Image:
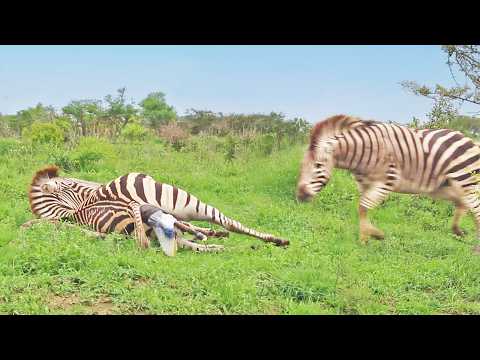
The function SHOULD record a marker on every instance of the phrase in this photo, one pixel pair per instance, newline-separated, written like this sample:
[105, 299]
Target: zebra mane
[335, 126]
[44, 174]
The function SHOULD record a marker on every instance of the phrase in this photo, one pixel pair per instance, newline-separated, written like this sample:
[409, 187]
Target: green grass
[420, 267]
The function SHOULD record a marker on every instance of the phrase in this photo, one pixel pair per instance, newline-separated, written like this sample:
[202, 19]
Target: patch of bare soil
[63, 302]
[102, 306]
[141, 281]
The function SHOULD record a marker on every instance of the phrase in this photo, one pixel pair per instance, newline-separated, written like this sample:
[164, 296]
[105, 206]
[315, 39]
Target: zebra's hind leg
[184, 227]
[472, 202]
[206, 231]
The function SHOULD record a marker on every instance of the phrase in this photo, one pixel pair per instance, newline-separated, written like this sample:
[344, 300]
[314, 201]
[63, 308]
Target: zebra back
[331, 126]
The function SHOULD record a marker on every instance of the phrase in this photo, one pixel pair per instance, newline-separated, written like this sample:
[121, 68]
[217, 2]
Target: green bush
[6, 145]
[64, 124]
[90, 151]
[63, 160]
[134, 132]
[267, 144]
[44, 133]
[231, 148]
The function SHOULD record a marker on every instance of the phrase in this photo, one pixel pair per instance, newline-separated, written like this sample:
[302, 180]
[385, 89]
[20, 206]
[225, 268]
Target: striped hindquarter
[144, 190]
[387, 158]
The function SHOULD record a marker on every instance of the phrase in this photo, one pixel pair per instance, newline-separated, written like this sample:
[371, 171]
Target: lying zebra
[132, 203]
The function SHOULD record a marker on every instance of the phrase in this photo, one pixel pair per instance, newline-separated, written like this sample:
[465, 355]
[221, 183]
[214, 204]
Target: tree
[8, 125]
[118, 111]
[460, 58]
[156, 111]
[201, 120]
[27, 117]
[83, 112]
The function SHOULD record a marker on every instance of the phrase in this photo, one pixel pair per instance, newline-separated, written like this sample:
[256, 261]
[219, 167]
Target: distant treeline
[116, 118]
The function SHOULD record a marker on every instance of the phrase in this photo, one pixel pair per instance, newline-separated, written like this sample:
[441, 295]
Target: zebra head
[56, 197]
[316, 168]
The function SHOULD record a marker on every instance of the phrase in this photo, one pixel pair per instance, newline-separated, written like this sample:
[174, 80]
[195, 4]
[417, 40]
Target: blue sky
[305, 81]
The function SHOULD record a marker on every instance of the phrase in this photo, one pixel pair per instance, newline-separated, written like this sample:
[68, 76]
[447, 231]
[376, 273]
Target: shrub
[134, 132]
[90, 151]
[175, 135]
[6, 145]
[64, 124]
[267, 144]
[44, 133]
[231, 148]
[63, 160]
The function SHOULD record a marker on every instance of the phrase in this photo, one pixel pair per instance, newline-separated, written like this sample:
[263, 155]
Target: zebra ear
[48, 172]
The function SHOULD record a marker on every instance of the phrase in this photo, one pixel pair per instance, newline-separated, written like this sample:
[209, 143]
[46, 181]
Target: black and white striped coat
[124, 204]
[387, 158]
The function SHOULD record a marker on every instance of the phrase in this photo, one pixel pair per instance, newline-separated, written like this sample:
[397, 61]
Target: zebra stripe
[388, 158]
[108, 207]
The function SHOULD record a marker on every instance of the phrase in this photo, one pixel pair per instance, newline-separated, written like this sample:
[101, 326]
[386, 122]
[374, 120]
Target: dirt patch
[101, 306]
[63, 302]
[141, 282]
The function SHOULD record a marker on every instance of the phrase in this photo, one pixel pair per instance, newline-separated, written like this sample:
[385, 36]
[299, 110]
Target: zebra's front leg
[366, 227]
[369, 199]
[199, 247]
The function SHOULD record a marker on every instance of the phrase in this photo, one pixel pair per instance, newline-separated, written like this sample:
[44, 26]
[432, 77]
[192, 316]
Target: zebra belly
[410, 187]
[107, 219]
[441, 188]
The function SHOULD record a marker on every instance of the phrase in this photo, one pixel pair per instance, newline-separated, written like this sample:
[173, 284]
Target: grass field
[420, 267]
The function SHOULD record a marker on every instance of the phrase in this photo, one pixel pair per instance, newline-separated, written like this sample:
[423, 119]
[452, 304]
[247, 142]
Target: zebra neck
[92, 198]
[344, 154]
[339, 157]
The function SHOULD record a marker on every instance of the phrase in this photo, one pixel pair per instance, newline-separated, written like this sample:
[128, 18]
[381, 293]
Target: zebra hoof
[281, 242]
[378, 236]
[221, 234]
[459, 232]
[209, 248]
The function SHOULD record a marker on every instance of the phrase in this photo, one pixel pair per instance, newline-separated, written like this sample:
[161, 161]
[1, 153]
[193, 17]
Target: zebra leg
[366, 227]
[199, 247]
[206, 231]
[140, 235]
[370, 198]
[460, 210]
[471, 201]
[187, 227]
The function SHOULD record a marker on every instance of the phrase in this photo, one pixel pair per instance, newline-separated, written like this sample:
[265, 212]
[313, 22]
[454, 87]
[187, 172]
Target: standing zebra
[133, 202]
[387, 158]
